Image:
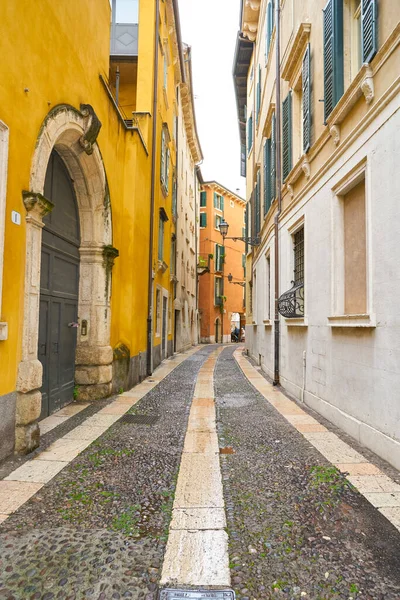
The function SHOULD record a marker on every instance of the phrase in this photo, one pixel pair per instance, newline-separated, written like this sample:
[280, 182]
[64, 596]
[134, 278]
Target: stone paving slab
[392, 514]
[373, 483]
[15, 493]
[199, 483]
[50, 423]
[201, 442]
[380, 499]
[196, 558]
[85, 432]
[364, 468]
[198, 518]
[63, 449]
[333, 448]
[37, 471]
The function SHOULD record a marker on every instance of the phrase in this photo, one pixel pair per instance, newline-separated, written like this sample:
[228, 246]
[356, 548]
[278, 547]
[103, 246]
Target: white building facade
[338, 254]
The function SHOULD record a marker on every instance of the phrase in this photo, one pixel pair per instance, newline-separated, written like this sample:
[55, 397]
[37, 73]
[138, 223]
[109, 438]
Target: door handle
[73, 324]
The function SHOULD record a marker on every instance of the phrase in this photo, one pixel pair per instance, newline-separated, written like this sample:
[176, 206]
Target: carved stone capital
[92, 128]
[305, 167]
[290, 191]
[334, 130]
[36, 204]
[109, 255]
[367, 86]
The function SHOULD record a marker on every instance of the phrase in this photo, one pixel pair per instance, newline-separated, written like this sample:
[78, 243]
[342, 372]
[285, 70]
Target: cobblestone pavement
[98, 529]
[297, 529]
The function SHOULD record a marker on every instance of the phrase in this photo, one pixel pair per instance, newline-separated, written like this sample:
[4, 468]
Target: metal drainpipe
[278, 188]
[149, 356]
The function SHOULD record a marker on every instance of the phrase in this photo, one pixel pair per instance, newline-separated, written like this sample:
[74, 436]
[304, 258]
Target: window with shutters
[369, 30]
[306, 99]
[287, 136]
[158, 311]
[269, 26]
[249, 133]
[218, 220]
[257, 211]
[218, 201]
[219, 257]
[203, 219]
[355, 31]
[333, 55]
[203, 199]
[258, 95]
[218, 291]
[269, 179]
[165, 158]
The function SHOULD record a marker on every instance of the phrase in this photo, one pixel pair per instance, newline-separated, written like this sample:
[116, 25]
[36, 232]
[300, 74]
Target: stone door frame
[73, 134]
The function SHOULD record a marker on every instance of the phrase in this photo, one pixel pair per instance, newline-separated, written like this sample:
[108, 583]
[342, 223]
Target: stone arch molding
[73, 134]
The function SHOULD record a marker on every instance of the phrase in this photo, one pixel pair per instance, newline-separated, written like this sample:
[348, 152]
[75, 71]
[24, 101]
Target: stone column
[29, 379]
[94, 355]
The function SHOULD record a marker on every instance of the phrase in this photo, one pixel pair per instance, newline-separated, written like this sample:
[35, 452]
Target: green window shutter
[369, 42]
[217, 258]
[287, 136]
[203, 219]
[162, 166]
[203, 199]
[272, 161]
[306, 100]
[257, 207]
[222, 203]
[243, 260]
[160, 238]
[215, 200]
[249, 133]
[167, 170]
[333, 55]
[258, 99]
[267, 175]
[268, 28]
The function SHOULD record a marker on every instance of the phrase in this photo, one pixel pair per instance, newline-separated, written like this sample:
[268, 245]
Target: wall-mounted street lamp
[252, 241]
[230, 279]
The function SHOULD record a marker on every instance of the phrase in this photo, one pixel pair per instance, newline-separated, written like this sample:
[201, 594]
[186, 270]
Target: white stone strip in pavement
[381, 491]
[197, 548]
[25, 481]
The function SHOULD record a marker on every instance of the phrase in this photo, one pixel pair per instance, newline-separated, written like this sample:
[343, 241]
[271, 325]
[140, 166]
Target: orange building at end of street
[221, 264]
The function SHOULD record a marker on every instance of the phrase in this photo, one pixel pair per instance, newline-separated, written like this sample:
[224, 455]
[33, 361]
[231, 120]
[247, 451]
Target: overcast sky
[210, 28]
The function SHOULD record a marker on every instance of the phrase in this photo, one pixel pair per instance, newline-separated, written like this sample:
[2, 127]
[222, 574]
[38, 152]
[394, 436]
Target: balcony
[291, 303]
[203, 263]
[124, 29]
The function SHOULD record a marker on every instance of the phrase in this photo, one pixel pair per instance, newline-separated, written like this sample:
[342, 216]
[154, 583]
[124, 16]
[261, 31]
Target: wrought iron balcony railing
[291, 303]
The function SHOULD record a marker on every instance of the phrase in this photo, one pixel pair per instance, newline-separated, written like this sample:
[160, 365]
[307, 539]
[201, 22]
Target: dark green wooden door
[59, 286]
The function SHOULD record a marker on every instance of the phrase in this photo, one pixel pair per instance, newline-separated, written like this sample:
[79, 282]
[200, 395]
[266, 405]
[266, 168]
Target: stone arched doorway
[72, 135]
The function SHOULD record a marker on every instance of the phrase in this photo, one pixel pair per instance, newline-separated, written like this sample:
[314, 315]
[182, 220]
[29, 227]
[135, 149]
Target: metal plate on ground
[140, 419]
[169, 594]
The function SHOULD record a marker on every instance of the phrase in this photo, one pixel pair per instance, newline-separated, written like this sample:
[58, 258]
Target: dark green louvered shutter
[333, 55]
[215, 200]
[203, 199]
[267, 175]
[221, 203]
[369, 42]
[258, 98]
[268, 28]
[249, 133]
[203, 219]
[287, 136]
[306, 100]
[273, 161]
[258, 208]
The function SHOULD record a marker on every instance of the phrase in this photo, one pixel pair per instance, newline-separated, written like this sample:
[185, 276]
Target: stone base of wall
[170, 347]
[156, 356]
[7, 424]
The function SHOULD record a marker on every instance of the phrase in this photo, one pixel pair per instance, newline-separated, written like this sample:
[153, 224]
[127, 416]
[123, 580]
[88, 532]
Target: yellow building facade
[86, 180]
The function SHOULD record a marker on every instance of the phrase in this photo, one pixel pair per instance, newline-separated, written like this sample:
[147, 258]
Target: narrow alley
[261, 492]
